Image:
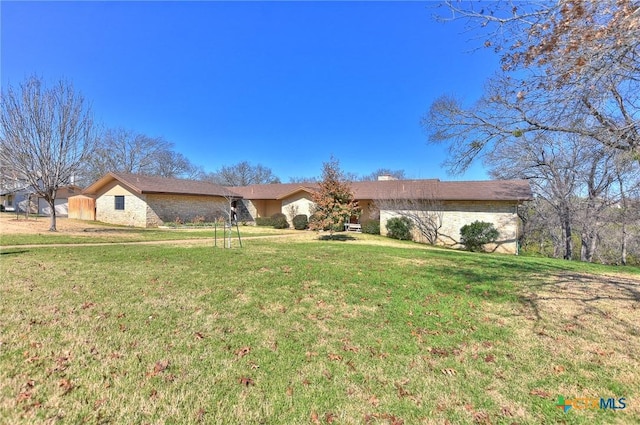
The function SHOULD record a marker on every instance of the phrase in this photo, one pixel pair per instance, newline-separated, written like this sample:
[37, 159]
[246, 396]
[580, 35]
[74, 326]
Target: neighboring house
[61, 202]
[151, 201]
[19, 196]
[14, 199]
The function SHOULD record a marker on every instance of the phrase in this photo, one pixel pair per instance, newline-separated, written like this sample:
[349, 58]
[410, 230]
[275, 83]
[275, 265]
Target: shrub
[264, 221]
[197, 219]
[478, 233]
[280, 221]
[300, 222]
[371, 227]
[399, 228]
[315, 217]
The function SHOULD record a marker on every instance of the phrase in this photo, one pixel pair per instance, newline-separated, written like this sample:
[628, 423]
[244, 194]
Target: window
[119, 202]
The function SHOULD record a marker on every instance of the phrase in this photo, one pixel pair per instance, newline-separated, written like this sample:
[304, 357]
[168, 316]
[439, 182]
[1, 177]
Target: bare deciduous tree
[46, 135]
[243, 174]
[394, 174]
[578, 72]
[121, 150]
[422, 209]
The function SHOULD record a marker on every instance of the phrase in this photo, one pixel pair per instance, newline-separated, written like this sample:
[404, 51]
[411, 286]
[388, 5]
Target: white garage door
[62, 207]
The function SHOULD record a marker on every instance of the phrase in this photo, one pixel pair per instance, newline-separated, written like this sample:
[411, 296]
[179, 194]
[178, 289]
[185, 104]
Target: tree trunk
[52, 221]
[587, 246]
[623, 248]
[568, 242]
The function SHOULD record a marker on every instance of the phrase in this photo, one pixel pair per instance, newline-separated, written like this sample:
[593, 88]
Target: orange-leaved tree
[334, 203]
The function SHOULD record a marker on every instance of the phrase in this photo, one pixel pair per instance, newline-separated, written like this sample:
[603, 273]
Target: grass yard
[302, 331]
[77, 232]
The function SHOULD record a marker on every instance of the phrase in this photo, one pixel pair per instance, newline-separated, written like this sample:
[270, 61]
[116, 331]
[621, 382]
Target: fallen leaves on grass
[330, 417]
[373, 400]
[481, 417]
[246, 381]
[66, 385]
[159, 367]
[393, 420]
[539, 392]
[24, 396]
[439, 352]
[315, 419]
[241, 352]
[402, 392]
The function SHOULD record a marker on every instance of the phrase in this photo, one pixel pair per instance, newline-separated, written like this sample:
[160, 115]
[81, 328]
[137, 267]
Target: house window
[119, 202]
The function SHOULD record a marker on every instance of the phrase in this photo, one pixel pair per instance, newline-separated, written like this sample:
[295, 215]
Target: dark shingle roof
[489, 190]
[153, 184]
[497, 190]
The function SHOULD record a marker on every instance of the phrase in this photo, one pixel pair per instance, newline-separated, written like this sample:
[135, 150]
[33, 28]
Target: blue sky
[282, 84]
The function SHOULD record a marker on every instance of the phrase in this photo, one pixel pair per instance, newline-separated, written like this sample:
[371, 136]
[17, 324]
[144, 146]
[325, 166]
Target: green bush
[478, 233]
[371, 227]
[399, 228]
[264, 221]
[300, 222]
[280, 221]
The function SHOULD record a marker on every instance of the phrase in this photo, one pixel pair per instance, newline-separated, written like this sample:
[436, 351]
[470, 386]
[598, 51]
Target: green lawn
[302, 331]
[115, 234]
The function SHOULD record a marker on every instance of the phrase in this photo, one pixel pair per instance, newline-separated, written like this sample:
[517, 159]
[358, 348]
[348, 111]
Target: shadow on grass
[585, 292]
[13, 252]
[340, 238]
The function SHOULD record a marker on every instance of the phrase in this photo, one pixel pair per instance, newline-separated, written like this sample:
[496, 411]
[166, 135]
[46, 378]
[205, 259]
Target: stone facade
[454, 215]
[185, 208]
[153, 210]
[135, 207]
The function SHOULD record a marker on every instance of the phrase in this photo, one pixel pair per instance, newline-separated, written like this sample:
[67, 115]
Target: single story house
[147, 201]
